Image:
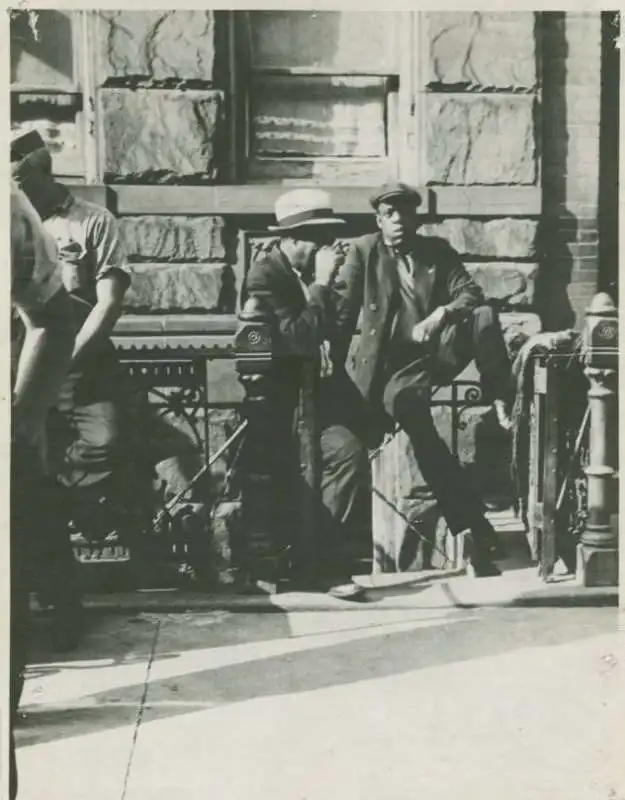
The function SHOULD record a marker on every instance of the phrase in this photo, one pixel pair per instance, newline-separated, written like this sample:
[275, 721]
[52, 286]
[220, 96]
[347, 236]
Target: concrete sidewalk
[503, 688]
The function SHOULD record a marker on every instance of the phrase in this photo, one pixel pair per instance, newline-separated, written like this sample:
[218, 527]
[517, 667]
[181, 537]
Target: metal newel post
[256, 552]
[598, 552]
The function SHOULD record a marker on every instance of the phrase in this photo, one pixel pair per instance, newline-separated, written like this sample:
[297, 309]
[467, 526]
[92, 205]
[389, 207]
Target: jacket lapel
[386, 277]
[427, 277]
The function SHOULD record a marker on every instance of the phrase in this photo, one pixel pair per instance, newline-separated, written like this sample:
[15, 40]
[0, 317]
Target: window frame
[78, 97]
[249, 169]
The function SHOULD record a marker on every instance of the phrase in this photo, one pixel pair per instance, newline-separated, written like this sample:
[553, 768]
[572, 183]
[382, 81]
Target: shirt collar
[406, 250]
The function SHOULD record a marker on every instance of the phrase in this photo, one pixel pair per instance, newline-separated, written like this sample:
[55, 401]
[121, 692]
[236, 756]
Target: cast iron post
[598, 550]
[256, 551]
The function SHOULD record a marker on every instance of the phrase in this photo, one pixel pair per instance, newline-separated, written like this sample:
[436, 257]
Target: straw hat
[304, 208]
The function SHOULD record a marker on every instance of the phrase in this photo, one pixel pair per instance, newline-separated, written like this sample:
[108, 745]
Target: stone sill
[259, 199]
[214, 333]
[193, 333]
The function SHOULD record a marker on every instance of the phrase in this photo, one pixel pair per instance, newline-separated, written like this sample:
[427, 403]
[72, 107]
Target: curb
[410, 592]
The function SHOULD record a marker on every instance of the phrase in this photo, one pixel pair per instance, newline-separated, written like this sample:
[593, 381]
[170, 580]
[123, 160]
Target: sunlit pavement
[435, 689]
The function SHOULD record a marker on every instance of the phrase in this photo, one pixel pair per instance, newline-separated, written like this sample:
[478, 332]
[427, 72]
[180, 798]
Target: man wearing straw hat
[294, 278]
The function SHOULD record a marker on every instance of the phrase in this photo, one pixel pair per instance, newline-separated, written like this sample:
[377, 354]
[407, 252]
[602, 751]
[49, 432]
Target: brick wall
[569, 247]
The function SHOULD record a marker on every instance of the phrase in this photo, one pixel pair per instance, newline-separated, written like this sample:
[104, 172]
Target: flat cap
[395, 189]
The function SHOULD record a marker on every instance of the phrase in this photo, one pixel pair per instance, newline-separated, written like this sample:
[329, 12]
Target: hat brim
[309, 223]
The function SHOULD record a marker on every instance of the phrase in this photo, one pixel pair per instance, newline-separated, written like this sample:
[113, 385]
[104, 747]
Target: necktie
[416, 278]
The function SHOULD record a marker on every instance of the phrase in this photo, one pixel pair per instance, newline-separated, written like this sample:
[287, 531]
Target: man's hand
[326, 367]
[327, 262]
[425, 330]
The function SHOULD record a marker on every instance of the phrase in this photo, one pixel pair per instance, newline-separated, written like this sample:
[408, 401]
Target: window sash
[328, 117]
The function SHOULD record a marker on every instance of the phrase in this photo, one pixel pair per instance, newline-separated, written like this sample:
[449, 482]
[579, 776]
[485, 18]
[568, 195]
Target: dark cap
[395, 190]
[23, 144]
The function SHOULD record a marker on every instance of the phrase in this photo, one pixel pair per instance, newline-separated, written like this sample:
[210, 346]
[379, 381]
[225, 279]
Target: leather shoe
[483, 548]
[347, 591]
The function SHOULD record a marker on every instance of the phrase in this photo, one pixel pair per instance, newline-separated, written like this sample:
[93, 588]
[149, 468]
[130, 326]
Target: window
[322, 102]
[45, 83]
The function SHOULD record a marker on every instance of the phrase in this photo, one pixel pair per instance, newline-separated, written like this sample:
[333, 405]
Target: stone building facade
[188, 124]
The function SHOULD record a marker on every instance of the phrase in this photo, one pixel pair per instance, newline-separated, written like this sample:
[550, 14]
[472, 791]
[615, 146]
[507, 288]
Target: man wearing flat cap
[293, 278]
[423, 320]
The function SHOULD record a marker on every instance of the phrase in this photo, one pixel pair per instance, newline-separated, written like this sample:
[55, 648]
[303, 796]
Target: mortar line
[140, 712]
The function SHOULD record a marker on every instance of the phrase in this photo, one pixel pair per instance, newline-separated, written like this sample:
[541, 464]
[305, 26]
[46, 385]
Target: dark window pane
[318, 117]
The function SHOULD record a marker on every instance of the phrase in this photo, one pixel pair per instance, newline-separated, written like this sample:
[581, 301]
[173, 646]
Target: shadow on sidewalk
[245, 669]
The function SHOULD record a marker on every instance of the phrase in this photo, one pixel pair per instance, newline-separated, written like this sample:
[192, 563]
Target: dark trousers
[101, 425]
[344, 472]
[414, 370]
[343, 485]
[337, 502]
[27, 482]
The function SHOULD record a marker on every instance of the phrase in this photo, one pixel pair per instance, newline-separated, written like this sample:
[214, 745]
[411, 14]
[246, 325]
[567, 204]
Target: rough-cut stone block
[498, 238]
[154, 238]
[482, 48]
[160, 134]
[481, 139]
[156, 45]
[510, 284]
[176, 287]
[63, 140]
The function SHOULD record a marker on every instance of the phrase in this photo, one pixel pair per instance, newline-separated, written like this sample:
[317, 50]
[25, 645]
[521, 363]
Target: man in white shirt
[99, 429]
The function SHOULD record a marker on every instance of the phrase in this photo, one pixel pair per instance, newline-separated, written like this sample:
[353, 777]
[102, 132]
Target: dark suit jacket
[300, 327]
[301, 324]
[367, 282]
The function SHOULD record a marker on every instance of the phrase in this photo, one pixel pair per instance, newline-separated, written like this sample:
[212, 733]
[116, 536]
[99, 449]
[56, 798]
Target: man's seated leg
[493, 363]
[84, 443]
[479, 338]
[407, 400]
[94, 449]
